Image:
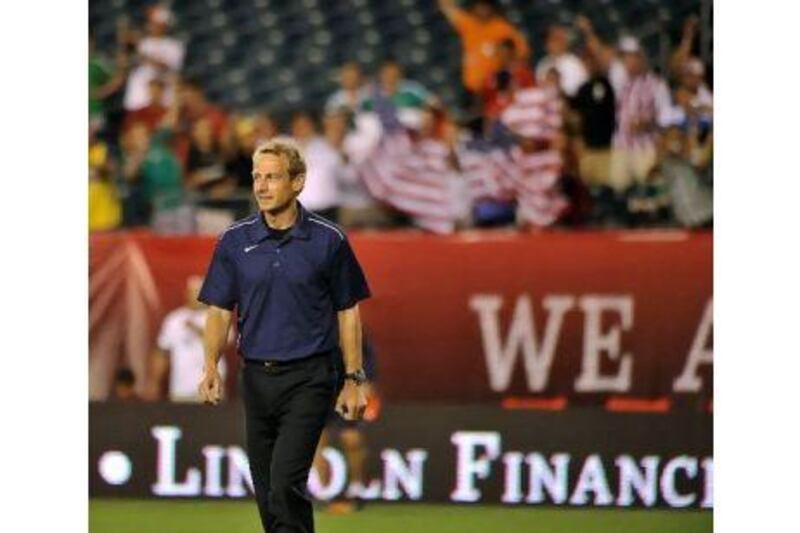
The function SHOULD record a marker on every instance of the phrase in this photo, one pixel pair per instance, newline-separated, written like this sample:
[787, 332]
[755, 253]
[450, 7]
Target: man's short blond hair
[286, 148]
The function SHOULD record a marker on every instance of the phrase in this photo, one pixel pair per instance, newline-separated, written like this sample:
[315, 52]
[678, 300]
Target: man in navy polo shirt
[295, 284]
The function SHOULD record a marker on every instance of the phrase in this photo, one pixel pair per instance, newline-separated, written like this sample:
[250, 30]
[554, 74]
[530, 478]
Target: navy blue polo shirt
[286, 291]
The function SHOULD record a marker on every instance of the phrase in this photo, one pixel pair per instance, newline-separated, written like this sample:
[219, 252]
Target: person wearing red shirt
[512, 73]
[153, 113]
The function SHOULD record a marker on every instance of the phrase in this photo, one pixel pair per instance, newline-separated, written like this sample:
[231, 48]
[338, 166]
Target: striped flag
[412, 174]
[415, 177]
[533, 166]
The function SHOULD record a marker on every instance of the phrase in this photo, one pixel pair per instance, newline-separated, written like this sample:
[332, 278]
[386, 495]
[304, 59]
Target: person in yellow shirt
[481, 29]
[105, 210]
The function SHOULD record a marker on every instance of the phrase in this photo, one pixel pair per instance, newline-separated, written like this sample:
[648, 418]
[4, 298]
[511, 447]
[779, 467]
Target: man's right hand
[211, 387]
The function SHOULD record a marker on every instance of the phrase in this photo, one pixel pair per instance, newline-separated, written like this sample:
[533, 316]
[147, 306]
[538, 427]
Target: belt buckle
[270, 366]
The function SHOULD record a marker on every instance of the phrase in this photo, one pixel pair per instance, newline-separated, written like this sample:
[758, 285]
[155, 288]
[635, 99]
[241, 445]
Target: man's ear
[298, 182]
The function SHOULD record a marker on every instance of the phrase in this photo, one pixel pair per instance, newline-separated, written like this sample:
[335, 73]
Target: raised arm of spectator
[455, 15]
[684, 50]
[603, 53]
[118, 78]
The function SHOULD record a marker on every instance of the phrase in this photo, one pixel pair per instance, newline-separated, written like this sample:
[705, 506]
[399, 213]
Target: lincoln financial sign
[458, 454]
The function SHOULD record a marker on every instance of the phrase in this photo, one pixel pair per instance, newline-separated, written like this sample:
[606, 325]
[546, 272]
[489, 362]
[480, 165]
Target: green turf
[128, 516]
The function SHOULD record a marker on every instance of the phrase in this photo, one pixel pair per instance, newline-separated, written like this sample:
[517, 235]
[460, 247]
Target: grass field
[129, 516]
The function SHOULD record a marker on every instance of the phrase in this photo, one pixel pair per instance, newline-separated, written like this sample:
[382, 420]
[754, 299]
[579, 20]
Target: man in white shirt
[352, 91]
[571, 70]
[321, 192]
[644, 105]
[158, 56]
[179, 350]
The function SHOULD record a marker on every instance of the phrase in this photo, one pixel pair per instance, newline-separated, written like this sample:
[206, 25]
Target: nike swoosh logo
[250, 248]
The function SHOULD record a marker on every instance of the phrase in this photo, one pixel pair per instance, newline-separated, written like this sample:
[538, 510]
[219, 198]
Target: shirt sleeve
[348, 284]
[462, 21]
[164, 341]
[219, 286]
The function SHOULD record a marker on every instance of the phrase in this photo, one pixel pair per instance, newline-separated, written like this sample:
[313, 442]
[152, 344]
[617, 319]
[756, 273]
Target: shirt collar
[300, 230]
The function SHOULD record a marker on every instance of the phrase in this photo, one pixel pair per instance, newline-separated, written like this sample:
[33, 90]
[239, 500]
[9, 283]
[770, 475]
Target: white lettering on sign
[644, 481]
[550, 477]
[166, 483]
[592, 479]
[213, 485]
[470, 466]
[337, 478]
[596, 342]
[501, 357]
[668, 490]
[398, 472]
[699, 354]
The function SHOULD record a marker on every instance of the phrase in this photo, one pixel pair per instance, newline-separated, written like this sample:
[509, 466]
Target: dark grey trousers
[285, 410]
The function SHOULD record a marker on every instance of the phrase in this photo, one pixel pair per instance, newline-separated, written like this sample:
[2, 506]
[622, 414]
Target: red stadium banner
[541, 320]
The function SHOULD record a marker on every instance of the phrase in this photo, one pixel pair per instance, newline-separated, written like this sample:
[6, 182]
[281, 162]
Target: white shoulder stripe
[239, 224]
[329, 226]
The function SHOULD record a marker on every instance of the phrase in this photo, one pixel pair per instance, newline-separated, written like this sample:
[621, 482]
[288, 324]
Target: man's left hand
[352, 401]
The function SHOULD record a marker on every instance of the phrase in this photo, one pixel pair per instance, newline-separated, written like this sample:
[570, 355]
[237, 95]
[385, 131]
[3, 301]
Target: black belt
[274, 363]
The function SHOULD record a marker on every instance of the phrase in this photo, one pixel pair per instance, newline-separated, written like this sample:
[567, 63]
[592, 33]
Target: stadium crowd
[589, 135]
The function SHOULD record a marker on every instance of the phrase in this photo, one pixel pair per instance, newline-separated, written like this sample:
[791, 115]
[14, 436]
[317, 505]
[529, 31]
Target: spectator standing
[192, 107]
[104, 81]
[151, 172]
[179, 350]
[157, 55]
[105, 209]
[594, 105]
[357, 207]
[320, 194]
[693, 99]
[512, 73]
[481, 29]
[691, 197]
[351, 92]
[571, 71]
[408, 97]
[205, 164]
[154, 112]
[643, 104]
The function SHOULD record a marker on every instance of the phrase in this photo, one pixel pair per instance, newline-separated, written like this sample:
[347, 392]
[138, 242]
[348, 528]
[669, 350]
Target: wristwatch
[358, 376]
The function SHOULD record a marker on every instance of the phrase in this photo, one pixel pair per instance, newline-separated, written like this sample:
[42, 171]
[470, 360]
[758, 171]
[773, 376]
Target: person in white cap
[643, 105]
[157, 55]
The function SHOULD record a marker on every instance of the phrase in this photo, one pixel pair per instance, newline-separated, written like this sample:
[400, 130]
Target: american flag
[503, 167]
[412, 174]
[415, 175]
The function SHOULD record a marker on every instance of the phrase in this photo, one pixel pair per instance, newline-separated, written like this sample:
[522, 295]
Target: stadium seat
[249, 52]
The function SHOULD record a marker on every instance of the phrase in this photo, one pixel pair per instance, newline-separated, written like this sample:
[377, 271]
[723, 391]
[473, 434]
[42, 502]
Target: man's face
[634, 62]
[137, 138]
[483, 10]
[302, 127]
[557, 41]
[334, 126]
[390, 77]
[691, 81]
[272, 186]
[191, 97]
[505, 55]
[351, 77]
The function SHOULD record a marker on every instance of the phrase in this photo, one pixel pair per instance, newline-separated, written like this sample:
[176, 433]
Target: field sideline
[135, 516]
